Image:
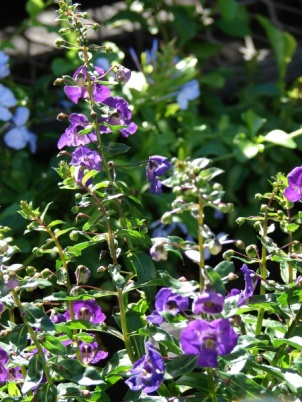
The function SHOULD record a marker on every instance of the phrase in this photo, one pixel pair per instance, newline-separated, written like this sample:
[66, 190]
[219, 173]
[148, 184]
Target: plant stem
[211, 385]
[201, 245]
[263, 267]
[32, 333]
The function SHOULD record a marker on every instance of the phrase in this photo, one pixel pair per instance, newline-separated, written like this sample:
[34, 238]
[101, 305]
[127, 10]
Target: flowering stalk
[33, 335]
[263, 267]
[201, 245]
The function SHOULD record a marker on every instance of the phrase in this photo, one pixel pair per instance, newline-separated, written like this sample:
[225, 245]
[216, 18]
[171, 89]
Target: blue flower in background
[7, 100]
[19, 136]
[189, 91]
[4, 68]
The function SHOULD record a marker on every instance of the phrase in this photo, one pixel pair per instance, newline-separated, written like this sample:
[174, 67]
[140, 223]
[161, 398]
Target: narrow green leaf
[34, 372]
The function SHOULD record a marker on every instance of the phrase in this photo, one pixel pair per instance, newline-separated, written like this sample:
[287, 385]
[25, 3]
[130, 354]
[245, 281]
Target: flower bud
[214, 247]
[58, 81]
[232, 276]
[258, 226]
[59, 42]
[74, 235]
[46, 273]
[166, 218]
[240, 244]
[11, 281]
[227, 255]
[82, 274]
[258, 196]
[30, 271]
[251, 251]
[95, 26]
[240, 221]
[3, 247]
[296, 246]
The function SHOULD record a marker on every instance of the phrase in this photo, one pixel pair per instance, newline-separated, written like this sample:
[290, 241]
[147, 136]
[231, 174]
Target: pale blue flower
[4, 68]
[189, 91]
[7, 100]
[19, 136]
[103, 63]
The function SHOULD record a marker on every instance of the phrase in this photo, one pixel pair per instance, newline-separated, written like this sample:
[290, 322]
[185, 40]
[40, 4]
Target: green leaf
[295, 342]
[112, 148]
[253, 122]
[33, 284]
[34, 7]
[224, 268]
[179, 366]
[127, 15]
[281, 138]
[290, 296]
[215, 279]
[73, 371]
[228, 9]
[245, 149]
[37, 318]
[34, 372]
[145, 270]
[52, 344]
[18, 337]
[47, 392]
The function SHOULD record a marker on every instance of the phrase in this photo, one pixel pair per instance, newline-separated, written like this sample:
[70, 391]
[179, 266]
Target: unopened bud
[227, 255]
[240, 221]
[95, 26]
[62, 116]
[258, 196]
[166, 218]
[251, 251]
[82, 274]
[58, 81]
[101, 269]
[232, 276]
[258, 226]
[30, 271]
[59, 42]
[74, 235]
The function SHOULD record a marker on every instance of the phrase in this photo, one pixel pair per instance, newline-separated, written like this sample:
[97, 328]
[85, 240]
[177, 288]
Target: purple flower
[167, 300]
[4, 69]
[208, 302]
[82, 274]
[157, 166]
[123, 74]
[207, 340]
[74, 93]
[120, 115]
[71, 138]
[19, 136]
[91, 352]
[294, 191]
[56, 317]
[6, 373]
[158, 252]
[86, 310]
[250, 285]
[147, 373]
[85, 158]
[7, 100]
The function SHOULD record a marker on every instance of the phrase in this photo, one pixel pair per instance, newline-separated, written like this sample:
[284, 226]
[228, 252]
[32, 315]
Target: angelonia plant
[195, 337]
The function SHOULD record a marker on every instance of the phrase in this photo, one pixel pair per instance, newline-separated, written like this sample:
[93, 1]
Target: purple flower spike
[119, 116]
[147, 373]
[157, 166]
[250, 285]
[74, 93]
[208, 302]
[294, 191]
[167, 300]
[71, 138]
[91, 352]
[207, 340]
[86, 310]
[85, 158]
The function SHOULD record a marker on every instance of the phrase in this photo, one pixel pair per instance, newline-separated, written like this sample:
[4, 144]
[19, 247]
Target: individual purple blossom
[157, 166]
[100, 92]
[6, 373]
[189, 91]
[250, 285]
[120, 115]
[19, 136]
[208, 302]
[11, 281]
[71, 138]
[123, 74]
[91, 352]
[167, 300]
[85, 158]
[4, 68]
[208, 340]
[158, 252]
[7, 100]
[87, 310]
[147, 373]
[294, 190]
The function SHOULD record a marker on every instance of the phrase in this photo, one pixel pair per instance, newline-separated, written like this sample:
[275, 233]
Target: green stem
[211, 385]
[201, 245]
[263, 267]
[32, 334]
